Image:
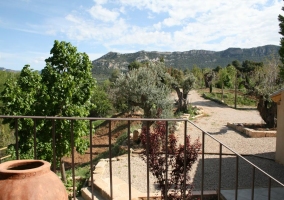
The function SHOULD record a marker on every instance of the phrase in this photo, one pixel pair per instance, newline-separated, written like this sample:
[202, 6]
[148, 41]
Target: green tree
[64, 88]
[6, 134]
[281, 50]
[19, 97]
[144, 87]
[102, 103]
[269, 82]
[114, 75]
[134, 65]
[182, 84]
[223, 76]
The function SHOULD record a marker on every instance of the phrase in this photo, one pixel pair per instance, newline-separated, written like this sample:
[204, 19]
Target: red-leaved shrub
[174, 159]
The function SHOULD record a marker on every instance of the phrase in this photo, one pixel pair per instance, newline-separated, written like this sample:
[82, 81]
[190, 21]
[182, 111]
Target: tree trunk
[267, 111]
[62, 170]
[180, 97]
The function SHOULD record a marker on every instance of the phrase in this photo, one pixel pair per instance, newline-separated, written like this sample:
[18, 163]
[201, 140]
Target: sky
[28, 28]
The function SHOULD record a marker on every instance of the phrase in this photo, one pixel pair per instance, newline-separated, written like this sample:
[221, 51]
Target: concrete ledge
[251, 132]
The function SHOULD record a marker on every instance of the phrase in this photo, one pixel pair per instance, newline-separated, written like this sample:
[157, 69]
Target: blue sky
[28, 28]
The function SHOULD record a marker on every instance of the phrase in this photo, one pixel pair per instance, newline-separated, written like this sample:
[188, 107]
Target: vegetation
[5, 132]
[281, 50]
[182, 84]
[180, 160]
[64, 88]
[183, 60]
[144, 87]
[228, 97]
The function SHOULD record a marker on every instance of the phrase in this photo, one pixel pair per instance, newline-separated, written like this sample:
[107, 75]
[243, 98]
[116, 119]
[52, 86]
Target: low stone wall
[251, 132]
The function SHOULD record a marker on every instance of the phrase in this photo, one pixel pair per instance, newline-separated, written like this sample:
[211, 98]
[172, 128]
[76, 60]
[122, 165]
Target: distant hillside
[183, 60]
[7, 70]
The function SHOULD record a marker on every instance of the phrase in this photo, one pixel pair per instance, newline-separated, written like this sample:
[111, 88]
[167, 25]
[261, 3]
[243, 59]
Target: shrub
[180, 160]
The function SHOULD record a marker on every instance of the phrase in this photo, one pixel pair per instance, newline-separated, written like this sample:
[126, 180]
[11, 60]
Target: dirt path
[215, 120]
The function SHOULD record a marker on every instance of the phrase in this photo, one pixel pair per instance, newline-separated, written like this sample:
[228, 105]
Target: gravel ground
[261, 151]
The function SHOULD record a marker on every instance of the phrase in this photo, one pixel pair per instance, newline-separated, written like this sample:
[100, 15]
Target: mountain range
[185, 59]
[103, 66]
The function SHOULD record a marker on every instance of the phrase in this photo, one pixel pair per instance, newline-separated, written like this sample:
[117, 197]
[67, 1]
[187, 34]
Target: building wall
[279, 156]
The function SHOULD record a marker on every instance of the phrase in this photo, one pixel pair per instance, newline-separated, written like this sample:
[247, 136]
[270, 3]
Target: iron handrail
[239, 155]
[186, 121]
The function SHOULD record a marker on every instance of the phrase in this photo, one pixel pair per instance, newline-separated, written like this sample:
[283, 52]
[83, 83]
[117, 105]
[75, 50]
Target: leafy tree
[6, 134]
[102, 103]
[231, 72]
[223, 76]
[19, 97]
[217, 69]
[134, 65]
[144, 87]
[114, 75]
[269, 82]
[209, 78]
[64, 88]
[198, 74]
[182, 84]
[281, 50]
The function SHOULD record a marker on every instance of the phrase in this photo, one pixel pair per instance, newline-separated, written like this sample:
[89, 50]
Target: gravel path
[262, 151]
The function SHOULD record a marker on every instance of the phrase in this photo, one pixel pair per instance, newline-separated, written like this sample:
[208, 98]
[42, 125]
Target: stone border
[251, 132]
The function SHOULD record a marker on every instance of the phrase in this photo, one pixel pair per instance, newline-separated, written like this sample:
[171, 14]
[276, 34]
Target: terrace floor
[259, 194]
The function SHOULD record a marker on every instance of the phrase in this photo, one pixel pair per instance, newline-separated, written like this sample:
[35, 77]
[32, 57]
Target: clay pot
[30, 180]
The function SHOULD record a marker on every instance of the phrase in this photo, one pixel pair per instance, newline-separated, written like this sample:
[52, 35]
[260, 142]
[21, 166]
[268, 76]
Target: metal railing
[3, 157]
[129, 120]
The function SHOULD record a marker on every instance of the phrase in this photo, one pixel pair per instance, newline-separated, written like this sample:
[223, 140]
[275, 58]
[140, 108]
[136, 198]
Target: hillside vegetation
[183, 60]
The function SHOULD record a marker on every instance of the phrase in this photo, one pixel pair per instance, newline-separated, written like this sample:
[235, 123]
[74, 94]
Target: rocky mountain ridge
[185, 59]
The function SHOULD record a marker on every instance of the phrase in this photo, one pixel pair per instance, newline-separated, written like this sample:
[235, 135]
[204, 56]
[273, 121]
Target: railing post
[91, 159]
[129, 163]
[73, 160]
[147, 153]
[269, 188]
[237, 177]
[166, 183]
[17, 139]
[53, 146]
[220, 171]
[184, 165]
[110, 163]
[35, 156]
[202, 169]
[252, 187]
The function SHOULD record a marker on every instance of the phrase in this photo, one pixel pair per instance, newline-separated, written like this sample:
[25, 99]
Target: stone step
[86, 194]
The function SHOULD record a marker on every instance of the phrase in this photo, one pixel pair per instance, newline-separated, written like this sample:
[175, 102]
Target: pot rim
[5, 167]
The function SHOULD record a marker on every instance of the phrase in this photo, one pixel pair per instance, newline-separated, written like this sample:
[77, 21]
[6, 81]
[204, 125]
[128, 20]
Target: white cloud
[103, 14]
[100, 2]
[212, 25]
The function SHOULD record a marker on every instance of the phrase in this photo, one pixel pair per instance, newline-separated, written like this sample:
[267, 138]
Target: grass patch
[229, 98]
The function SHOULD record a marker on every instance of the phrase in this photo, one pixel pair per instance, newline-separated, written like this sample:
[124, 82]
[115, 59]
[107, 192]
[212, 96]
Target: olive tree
[182, 83]
[145, 87]
[269, 82]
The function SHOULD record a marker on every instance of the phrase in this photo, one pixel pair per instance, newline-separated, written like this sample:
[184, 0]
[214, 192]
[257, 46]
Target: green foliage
[144, 87]
[64, 88]
[114, 75]
[281, 50]
[198, 74]
[134, 65]
[102, 104]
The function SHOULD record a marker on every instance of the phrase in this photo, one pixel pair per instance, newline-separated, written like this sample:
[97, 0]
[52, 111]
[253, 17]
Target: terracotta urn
[30, 180]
